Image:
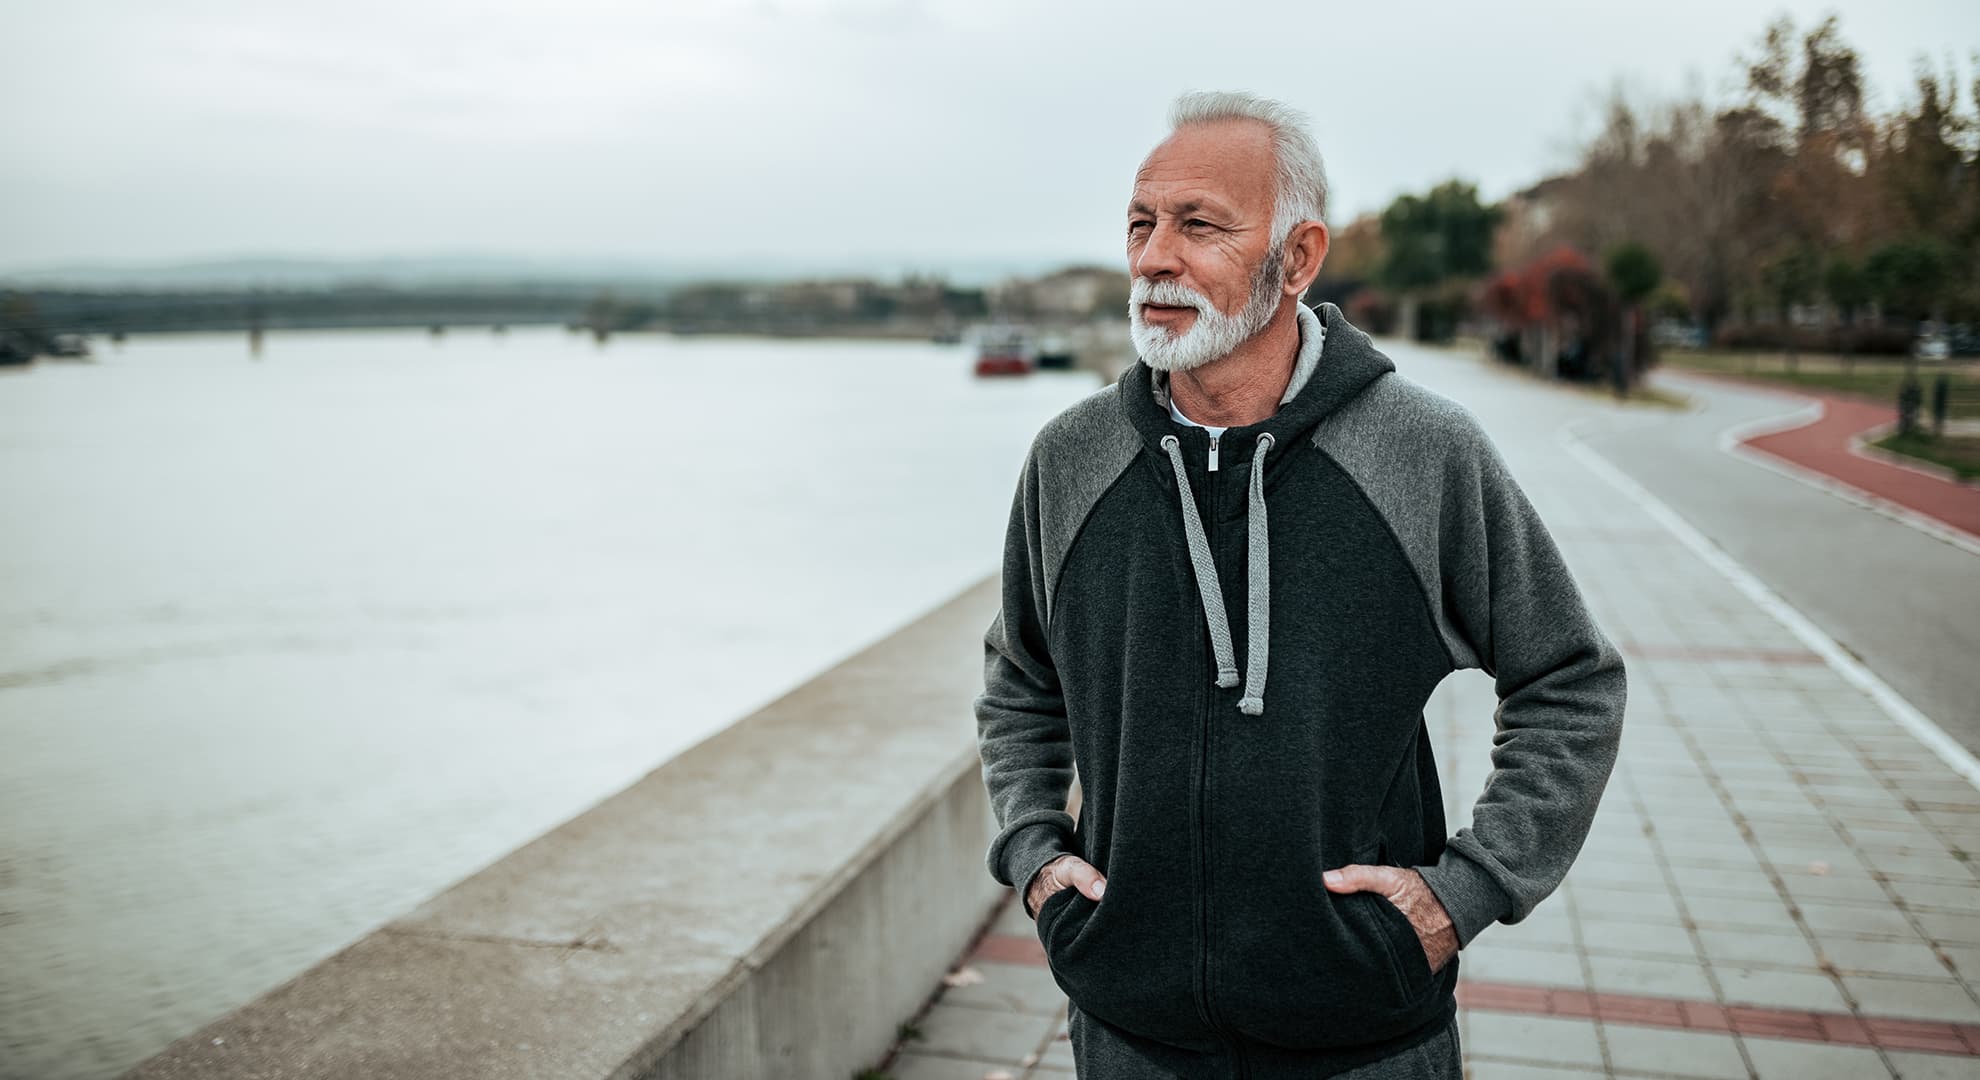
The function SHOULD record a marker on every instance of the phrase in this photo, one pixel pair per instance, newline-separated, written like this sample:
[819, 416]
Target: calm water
[288, 645]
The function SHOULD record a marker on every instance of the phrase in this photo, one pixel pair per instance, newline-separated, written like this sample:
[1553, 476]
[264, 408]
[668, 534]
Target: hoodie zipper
[1209, 516]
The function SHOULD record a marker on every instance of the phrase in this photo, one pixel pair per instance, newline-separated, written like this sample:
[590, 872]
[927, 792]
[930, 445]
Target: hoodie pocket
[1317, 969]
[1128, 960]
[1412, 962]
[1410, 974]
[1049, 910]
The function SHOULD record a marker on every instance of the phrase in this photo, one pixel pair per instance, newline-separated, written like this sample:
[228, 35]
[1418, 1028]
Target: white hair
[1301, 183]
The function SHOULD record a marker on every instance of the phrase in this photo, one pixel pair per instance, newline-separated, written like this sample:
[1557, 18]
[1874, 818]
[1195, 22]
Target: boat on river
[1005, 350]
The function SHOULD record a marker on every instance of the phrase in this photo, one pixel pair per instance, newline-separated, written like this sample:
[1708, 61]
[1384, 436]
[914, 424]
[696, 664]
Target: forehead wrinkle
[1191, 191]
[1179, 174]
[1188, 164]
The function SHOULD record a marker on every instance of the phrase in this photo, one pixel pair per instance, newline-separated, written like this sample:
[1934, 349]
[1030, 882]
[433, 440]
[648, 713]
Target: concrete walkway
[1780, 882]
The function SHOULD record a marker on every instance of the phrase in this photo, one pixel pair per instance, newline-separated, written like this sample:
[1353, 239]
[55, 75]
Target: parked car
[1675, 333]
[1964, 338]
[1931, 347]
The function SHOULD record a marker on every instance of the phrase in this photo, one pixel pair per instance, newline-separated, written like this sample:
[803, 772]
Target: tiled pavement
[1780, 882]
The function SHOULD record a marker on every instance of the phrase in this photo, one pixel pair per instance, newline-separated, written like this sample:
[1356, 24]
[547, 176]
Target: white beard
[1212, 334]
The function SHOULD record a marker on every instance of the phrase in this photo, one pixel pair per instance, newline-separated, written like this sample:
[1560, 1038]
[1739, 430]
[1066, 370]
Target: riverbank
[763, 905]
[302, 641]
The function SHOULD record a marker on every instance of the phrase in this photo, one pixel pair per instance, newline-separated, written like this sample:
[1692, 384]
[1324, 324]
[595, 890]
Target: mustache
[1167, 293]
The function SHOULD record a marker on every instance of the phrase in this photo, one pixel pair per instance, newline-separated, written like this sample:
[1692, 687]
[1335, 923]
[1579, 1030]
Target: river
[289, 643]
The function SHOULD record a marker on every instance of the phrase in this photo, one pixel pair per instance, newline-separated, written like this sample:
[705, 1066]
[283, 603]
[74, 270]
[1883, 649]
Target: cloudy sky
[919, 131]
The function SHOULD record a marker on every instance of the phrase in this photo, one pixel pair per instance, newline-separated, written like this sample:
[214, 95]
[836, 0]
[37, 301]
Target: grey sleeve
[1022, 733]
[1561, 690]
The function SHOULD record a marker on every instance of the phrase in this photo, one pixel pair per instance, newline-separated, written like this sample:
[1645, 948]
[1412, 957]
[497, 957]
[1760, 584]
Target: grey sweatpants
[1098, 1056]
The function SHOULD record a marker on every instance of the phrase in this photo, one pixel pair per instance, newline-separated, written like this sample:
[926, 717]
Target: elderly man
[1231, 581]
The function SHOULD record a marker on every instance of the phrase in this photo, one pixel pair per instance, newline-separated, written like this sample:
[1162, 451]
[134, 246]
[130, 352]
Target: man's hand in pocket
[1406, 889]
[1064, 871]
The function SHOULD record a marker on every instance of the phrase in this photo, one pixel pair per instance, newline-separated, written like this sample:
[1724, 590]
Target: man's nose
[1158, 255]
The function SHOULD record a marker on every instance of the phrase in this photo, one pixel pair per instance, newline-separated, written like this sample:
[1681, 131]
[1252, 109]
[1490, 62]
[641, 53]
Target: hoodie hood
[1335, 363]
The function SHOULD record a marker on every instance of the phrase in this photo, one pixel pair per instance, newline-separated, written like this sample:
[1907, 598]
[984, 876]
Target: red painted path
[1823, 446]
[1849, 1029]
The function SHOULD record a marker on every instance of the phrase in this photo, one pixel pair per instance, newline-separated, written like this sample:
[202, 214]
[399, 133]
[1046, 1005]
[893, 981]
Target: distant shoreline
[867, 332]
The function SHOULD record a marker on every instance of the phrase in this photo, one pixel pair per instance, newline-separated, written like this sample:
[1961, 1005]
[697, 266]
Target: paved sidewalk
[1780, 882]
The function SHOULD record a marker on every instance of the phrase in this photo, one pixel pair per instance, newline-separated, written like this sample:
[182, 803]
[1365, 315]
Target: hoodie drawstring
[1258, 583]
[1259, 614]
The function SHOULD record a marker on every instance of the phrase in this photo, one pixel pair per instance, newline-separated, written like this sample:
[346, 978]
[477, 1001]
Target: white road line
[1852, 670]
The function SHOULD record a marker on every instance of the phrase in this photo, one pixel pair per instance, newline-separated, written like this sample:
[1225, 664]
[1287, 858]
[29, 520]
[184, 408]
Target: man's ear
[1306, 250]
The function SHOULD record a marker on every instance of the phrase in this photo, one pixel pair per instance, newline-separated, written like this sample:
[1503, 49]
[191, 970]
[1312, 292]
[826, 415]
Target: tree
[1634, 271]
[1791, 281]
[1928, 168]
[1355, 251]
[1848, 288]
[1694, 186]
[1908, 277]
[1818, 92]
[1434, 239]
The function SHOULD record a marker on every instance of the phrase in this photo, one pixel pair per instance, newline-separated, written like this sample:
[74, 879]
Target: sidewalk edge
[1861, 444]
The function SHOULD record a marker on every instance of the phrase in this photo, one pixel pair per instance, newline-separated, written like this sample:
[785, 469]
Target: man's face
[1199, 242]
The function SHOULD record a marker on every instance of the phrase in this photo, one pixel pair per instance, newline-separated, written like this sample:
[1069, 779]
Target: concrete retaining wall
[770, 904]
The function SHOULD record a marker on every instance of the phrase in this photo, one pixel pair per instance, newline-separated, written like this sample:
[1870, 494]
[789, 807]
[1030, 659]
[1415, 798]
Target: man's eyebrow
[1182, 209]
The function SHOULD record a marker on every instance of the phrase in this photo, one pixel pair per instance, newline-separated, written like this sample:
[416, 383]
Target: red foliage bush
[1534, 293]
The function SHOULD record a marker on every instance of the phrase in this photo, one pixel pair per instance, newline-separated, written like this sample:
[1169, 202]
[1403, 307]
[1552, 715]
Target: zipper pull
[1213, 453]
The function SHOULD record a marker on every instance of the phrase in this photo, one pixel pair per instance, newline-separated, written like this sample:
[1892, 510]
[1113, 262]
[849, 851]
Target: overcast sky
[787, 129]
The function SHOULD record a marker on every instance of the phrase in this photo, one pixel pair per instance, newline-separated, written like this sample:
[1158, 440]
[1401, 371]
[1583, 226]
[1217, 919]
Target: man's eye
[1194, 222]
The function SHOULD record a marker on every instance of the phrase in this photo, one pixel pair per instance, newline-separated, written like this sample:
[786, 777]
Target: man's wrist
[1466, 892]
[1028, 848]
[1031, 886]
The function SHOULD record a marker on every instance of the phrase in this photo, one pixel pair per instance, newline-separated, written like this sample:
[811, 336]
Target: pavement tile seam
[1660, 857]
[1949, 851]
[983, 1007]
[1768, 1021]
[919, 1047]
[1891, 890]
[1886, 899]
[1642, 1010]
[1882, 1032]
[1566, 1002]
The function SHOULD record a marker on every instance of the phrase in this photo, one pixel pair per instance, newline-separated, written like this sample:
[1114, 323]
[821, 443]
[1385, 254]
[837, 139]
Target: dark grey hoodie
[1237, 661]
